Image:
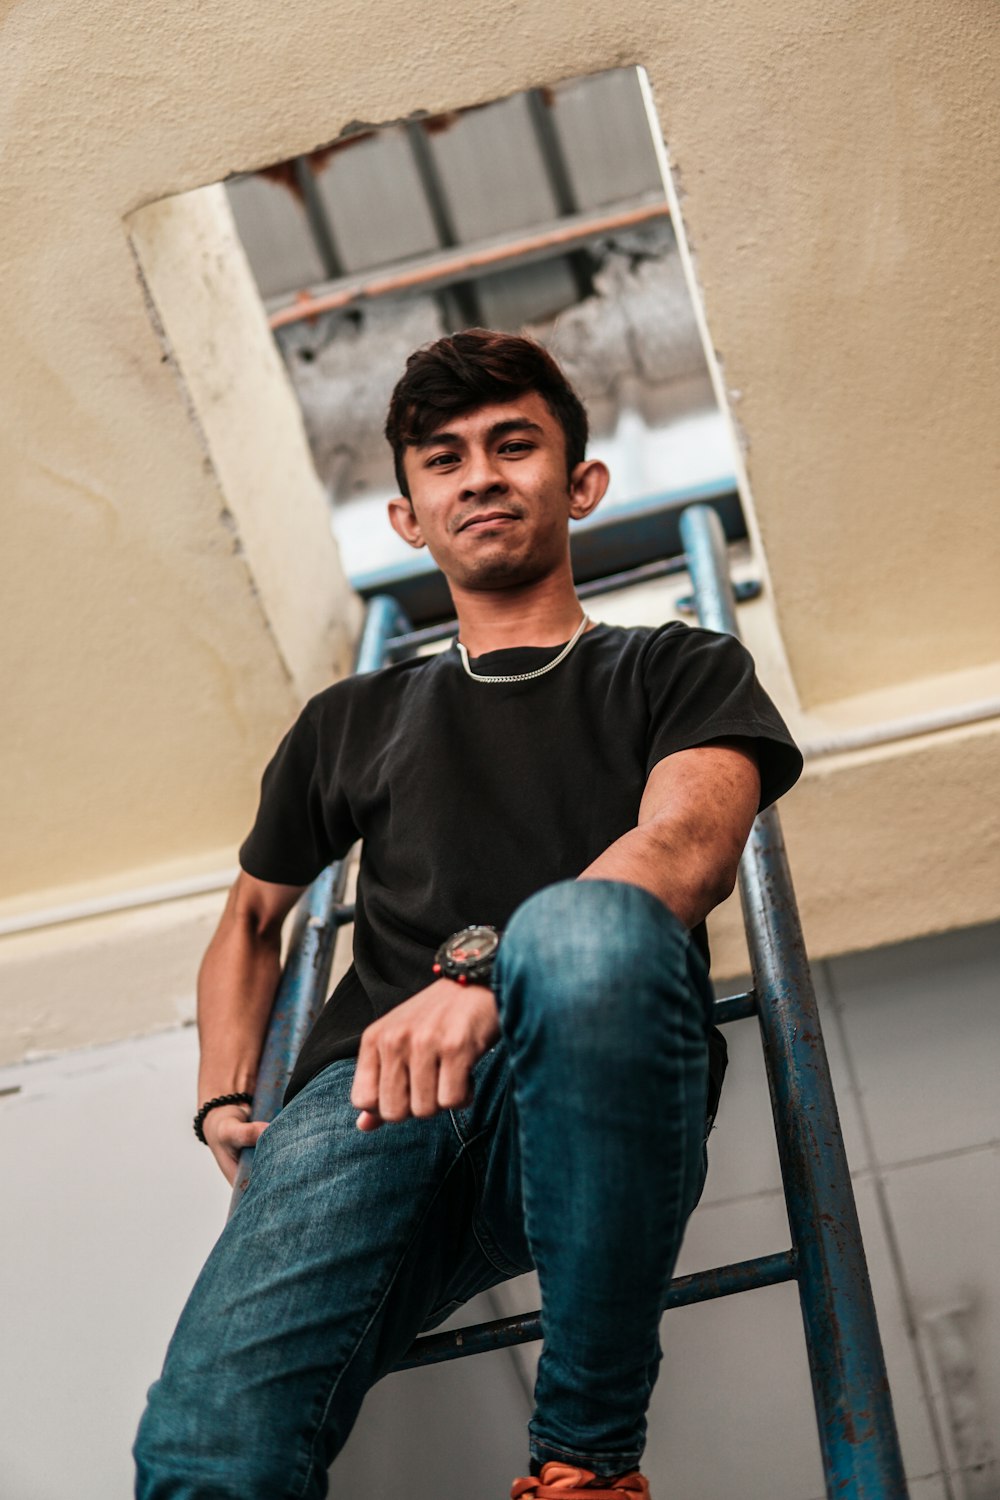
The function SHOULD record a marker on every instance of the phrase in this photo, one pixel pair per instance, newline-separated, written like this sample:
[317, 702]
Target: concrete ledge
[102, 979]
[885, 844]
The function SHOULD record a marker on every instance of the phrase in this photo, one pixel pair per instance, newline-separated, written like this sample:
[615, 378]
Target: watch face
[472, 944]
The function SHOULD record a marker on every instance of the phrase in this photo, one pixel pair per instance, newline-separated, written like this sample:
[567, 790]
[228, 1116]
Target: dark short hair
[479, 367]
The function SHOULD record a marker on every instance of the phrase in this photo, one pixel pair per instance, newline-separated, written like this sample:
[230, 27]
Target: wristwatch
[468, 956]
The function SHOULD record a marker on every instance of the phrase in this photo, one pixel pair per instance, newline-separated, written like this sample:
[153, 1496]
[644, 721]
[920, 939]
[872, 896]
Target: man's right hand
[236, 986]
[228, 1131]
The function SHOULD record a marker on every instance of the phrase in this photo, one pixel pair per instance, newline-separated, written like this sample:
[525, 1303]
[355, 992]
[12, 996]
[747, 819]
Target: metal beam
[560, 182]
[319, 221]
[440, 211]
[445, 268]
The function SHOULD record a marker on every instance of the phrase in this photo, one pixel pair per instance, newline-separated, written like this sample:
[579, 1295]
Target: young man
[467, 1109]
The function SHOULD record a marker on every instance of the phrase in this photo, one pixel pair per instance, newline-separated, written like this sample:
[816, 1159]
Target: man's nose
[482, 476]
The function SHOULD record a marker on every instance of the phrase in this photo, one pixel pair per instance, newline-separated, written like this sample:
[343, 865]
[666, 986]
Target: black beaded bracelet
[199, 1118]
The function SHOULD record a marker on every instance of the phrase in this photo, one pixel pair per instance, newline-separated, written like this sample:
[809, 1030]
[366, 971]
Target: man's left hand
[418, 1058]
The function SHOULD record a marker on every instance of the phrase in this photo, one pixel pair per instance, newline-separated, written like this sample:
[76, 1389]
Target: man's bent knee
[574, 945]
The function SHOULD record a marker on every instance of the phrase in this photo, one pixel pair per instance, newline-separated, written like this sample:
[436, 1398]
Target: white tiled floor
[923, 1025]
[109, 1207]
[930, 1488]
[947, 1219]
[742, 1151]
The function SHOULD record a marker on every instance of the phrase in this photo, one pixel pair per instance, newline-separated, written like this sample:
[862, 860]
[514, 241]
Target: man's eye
[440, 459]
[517, 445]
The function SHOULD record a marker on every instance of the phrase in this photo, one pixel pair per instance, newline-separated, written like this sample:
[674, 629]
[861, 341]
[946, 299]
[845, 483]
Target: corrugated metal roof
[272, 224]
[375, 202]
[387, 195]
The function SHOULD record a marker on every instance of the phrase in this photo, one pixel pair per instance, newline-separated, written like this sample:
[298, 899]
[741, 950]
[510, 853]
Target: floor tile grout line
[952, 1154]
[859, 1174]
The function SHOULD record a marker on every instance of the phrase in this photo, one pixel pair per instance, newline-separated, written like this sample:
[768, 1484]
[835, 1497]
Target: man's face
[490, 494]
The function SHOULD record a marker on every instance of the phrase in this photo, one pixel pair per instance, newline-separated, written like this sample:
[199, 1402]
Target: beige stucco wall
[840, 188]
[837, 173]
[170, 588]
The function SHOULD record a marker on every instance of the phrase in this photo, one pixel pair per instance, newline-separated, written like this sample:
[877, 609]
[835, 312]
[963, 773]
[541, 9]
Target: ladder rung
[501, 1333]
[735, 1008]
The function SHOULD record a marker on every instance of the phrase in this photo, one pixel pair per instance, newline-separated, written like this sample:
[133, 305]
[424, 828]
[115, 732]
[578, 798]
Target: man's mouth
[487, 518]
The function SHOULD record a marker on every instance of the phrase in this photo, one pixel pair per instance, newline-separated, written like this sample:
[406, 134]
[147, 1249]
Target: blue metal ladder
[857, 1429]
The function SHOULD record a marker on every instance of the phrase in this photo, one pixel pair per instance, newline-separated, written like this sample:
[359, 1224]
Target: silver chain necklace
[525, 676]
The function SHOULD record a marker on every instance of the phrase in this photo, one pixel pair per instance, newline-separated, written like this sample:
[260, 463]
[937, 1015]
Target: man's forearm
[674, 870]
[236, 986]
[694, 818]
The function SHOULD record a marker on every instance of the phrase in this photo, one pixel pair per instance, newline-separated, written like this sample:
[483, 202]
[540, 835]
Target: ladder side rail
[302, 989]
[301, 995]
[857, 1428]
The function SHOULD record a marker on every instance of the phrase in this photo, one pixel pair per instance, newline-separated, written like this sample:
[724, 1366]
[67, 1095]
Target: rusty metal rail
[857, 1427]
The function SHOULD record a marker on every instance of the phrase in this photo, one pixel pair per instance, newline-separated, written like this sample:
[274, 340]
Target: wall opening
[544, 212]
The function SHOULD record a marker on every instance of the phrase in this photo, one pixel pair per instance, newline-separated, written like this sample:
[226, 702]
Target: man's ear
[588, 484]
[404, 522]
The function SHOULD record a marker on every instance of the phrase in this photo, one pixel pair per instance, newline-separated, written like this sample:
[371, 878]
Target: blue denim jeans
[581, 1155]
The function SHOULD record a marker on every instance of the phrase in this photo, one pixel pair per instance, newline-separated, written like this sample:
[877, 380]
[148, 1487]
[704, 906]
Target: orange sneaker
[564, 1482]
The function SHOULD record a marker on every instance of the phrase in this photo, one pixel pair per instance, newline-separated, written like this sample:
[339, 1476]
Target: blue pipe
[857, 1427]
[301, 992]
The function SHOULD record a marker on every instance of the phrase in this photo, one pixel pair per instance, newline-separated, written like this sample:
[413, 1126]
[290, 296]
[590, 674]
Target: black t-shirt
[471, 796]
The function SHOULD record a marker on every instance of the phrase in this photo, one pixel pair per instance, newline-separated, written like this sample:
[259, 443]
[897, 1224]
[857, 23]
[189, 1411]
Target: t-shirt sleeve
[302, 819]
[702, 686]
